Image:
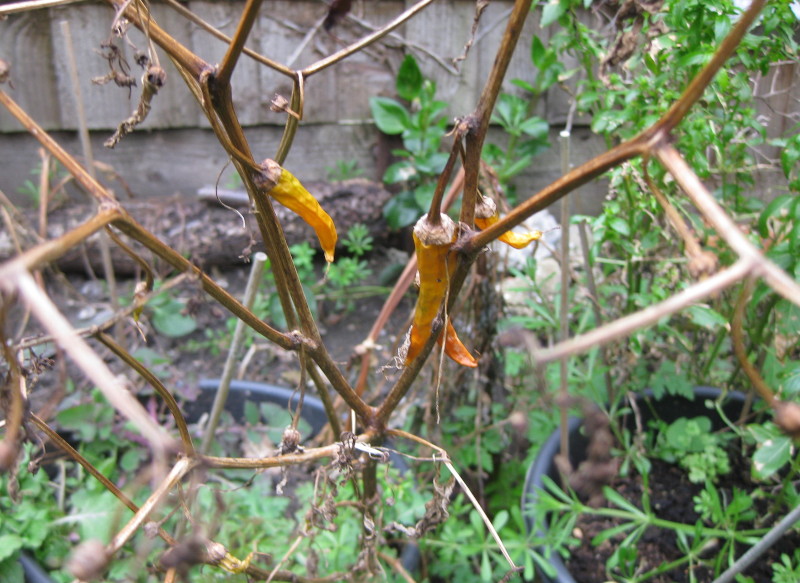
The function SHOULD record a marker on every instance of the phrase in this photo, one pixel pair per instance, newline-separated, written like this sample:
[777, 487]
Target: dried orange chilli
[435, 263]
[455, 349]
[293, 195]
[486, 215]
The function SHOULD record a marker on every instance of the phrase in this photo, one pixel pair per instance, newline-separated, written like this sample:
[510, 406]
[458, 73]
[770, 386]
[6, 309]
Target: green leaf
[790, 377]
[11, 570]
[535, 127]
[500, 520]
[79, 418]
[409, 79]
[389, 115]
[172, 323]
[552, 11]
[612, 532]
[252, 415]
[402, 171]
[9, 545]
[401, 210]
[538, 53]
[706, 317]
[616, 498]
[620, 225]
[771, 456]
[486, 567]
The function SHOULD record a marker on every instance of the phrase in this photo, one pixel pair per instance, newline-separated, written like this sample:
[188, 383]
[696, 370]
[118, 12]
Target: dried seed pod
[89, 560]
[486, 215]
[787, 417]
[455, 349]
[436, 264]
[288, 191]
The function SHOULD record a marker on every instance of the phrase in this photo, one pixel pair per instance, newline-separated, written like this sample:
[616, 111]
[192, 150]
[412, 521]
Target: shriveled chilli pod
[293, 195]
[435, 263]
[486, 215]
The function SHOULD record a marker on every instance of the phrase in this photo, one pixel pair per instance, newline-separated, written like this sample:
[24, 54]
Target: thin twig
[737, 336]
[221, 396]
[182, 467]
[563, 312]
[647, 316]
[64, 445]
[248, 19]
[366, 41]
[158, 386]
[724, 225]
[112, 387]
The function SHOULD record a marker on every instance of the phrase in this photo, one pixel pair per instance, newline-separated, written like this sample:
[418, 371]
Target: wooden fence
[174, 151]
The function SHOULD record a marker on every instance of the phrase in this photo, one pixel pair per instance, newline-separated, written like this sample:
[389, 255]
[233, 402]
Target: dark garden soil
[671, 496]
[182, 362]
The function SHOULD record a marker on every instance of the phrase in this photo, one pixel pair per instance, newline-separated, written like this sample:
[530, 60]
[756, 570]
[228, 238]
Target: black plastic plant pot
[243, 391]
[669, 409]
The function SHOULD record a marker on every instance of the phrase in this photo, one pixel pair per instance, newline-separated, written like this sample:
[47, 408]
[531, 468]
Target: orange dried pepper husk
[486, 215]
[293, 195]
[435, 264]
[454, 348]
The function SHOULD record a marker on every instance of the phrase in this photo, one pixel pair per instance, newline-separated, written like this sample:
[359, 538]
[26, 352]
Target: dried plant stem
[737, 335]
[366, 41]
[563, 312]
[445, 459]
[82, 176]
[397, 565]
[15, 398]
[112, 387]
[138, 13]
[325, 397]
[134, 230]
[478, 121]
[647, 316]
[158, 386]
[693, 249]
[182, 467]
[398, 291]
[555, 190]
[88, 156]
[296, 104]
[221, 397]
[107, 484]
[192, 17]
[291, 459]
[724, 225]
[249, 14]
[17, 7]
[285, 557]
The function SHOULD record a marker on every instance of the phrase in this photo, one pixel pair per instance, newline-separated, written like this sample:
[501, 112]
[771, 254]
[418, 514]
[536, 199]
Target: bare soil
[672, 497]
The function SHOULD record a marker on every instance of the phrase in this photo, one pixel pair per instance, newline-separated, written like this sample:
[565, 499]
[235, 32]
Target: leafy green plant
[691, 444]
[527, 136]
[638, 262]
[30, 189]
[422, 125]
[344, 170]
[30, 514]
[788, 569]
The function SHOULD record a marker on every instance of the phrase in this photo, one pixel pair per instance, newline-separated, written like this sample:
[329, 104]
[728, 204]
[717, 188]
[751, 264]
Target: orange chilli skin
[455, 349]
[293, 195]
[435, 263]
[486, 215]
